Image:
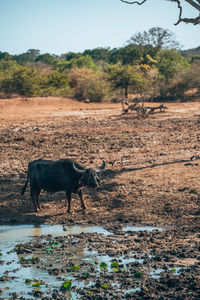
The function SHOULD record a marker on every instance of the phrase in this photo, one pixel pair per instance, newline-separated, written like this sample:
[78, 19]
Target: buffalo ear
[78, 170]
[101, 168]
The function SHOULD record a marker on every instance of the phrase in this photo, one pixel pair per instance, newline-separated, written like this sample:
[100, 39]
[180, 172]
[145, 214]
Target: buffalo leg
[33, 197]
[69, 198]
[37, 199]
[80, 193]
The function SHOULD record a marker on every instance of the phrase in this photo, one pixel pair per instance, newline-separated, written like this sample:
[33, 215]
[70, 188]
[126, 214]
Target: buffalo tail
[24, 187]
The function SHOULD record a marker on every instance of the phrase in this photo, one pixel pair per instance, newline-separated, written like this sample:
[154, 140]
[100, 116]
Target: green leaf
[37, 283]
[104, 286]
[66, 286]
[115, 269]
[33, 258]
[76, 268]
[23, 259]
[114, 264]
[27, 280]
[103, 266]
[173, 270]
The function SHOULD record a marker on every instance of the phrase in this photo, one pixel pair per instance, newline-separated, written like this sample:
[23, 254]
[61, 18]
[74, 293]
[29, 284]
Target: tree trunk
[126, 91]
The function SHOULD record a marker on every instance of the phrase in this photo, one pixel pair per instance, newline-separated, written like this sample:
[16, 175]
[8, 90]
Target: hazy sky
[60, 26]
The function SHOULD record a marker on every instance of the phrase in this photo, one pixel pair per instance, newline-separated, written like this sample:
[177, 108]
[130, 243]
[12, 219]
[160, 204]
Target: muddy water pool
[35, 261]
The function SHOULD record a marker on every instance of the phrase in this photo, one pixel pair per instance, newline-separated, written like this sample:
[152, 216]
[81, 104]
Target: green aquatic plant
[31, 259]
[54, 243]
[91, 294]
[27, 280]
[76, 268]
[104, 286]
[23, 259]
[114, 265]
[103, 266]
[36, 283]
[115, 270]
[49, 249]
[86, 274]
[34, 258]
[173, 270]
[66, 286]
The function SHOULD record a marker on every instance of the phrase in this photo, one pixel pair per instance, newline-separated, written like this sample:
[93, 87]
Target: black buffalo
[61, 175]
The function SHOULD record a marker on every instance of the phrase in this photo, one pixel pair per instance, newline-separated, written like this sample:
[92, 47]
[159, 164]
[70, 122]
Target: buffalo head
[89, 176]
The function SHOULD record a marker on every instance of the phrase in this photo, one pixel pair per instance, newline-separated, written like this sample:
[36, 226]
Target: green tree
[55, 84]
[82, 62]
[129, 55]
[29, 56]
[126, 77]
[5, 56]
[46, 59]
[22, 81]
[170, 62]
[98, 54]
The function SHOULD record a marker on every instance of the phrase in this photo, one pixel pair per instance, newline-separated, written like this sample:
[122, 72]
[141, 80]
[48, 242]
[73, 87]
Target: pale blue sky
[60, 26]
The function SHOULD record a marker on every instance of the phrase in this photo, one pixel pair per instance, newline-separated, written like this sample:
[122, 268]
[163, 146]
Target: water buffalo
[61, 175]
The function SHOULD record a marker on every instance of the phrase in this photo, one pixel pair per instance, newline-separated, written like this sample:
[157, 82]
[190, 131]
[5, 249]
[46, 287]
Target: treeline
[151, 65]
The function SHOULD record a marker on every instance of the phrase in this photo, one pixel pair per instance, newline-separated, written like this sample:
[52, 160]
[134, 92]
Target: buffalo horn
[78, 170]
[101, 168]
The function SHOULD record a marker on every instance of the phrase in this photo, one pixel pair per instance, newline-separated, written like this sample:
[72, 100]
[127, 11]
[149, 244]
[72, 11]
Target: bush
[88, 84]
[23, 81]
[55, 84]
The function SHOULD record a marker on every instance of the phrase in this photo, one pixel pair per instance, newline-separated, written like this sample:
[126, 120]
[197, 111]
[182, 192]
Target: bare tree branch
[194, 3]
[194, 21]
[133, 2]
[180, 12]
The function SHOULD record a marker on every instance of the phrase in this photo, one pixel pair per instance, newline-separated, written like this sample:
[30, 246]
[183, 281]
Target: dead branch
[134, 2]
[160, 107]
[193, 3]
[140, 109]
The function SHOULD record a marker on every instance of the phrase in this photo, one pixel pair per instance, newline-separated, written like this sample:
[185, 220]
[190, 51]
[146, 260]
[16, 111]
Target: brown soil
[150, 178]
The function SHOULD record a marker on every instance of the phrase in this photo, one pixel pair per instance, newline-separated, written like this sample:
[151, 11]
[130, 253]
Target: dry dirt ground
[150, 178]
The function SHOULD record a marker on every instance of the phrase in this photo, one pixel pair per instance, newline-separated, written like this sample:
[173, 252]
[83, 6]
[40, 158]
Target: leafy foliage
[103, 266]
[66, 286]
[150, 65]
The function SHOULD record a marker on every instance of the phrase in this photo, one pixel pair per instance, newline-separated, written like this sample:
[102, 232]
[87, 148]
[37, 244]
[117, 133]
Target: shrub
[23, 81]
[89, 84]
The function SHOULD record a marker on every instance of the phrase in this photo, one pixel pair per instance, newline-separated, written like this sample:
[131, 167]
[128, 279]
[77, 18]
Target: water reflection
[20, 232]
